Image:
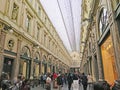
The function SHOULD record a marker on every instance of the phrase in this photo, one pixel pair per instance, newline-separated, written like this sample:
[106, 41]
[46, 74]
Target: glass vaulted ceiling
[65, 16]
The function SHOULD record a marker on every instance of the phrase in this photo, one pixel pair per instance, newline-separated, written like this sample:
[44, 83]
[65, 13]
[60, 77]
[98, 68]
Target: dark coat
[101, 85]
[59, 80]
[84, 80]
[70, 79]
[75, 77]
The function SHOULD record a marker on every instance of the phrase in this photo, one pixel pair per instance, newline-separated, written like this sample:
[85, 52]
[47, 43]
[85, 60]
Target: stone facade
[29, 43]
[100, 39]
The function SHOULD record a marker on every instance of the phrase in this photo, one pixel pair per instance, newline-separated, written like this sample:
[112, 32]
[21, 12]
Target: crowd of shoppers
[58, 80]
[19, 83]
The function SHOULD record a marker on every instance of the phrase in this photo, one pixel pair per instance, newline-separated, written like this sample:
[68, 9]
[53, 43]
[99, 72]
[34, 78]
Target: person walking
[75, 81]
[48, 82]
[59, 82]
[84, 81]
[70, 81]
[90, 81]
[41, 80]
[55, 80]
[44, 80]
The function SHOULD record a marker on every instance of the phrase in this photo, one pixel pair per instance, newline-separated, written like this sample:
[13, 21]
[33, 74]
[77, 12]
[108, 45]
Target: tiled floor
[65, 87]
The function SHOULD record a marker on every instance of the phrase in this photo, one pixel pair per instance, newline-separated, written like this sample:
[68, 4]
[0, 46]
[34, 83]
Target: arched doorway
[25, 62]
[36, 65]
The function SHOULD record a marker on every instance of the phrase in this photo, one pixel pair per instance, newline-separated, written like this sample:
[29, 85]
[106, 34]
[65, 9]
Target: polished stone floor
[65, 87]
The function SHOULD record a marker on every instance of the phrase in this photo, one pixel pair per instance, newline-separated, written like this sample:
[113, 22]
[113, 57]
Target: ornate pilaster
[100, 67]
[17, 61]
[31, 67]
[2, 42]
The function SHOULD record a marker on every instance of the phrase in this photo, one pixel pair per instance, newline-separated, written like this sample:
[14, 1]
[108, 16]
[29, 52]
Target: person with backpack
[84, 81]
[42, 80]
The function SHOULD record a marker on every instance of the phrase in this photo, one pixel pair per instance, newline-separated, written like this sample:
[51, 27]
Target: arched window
[37, 56]
[103, 20]
[26, 51]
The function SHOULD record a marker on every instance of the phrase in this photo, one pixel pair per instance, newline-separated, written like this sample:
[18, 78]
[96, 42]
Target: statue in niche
[15, 12]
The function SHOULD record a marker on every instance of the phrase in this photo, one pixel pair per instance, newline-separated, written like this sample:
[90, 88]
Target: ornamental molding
[10, 44]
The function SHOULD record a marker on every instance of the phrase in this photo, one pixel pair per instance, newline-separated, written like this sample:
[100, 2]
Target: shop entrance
[7, 66]
[108, 60]
[25, 68]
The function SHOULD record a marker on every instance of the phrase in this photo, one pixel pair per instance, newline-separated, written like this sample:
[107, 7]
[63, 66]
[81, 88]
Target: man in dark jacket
[70, 81]
[59, 81]
[84, 81]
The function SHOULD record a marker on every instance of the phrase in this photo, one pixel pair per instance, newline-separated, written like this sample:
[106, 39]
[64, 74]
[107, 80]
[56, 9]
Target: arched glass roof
[65, 16]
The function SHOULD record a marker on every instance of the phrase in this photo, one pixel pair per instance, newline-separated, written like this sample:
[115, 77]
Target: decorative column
[2, 42]
[93, 68]
[99, 63]
[41, 67]
[47, 66]
[31, 67]
[17, 61]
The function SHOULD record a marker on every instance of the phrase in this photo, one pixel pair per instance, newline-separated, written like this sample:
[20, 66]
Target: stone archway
[25, 62]
[36, 65]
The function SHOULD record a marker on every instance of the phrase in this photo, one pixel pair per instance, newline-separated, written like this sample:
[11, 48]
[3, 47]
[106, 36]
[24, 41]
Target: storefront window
[8, 66]
[25, 62]
[108, 60]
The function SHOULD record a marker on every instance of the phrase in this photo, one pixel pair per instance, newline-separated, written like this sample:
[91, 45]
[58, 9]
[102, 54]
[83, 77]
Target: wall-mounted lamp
[8, 28]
